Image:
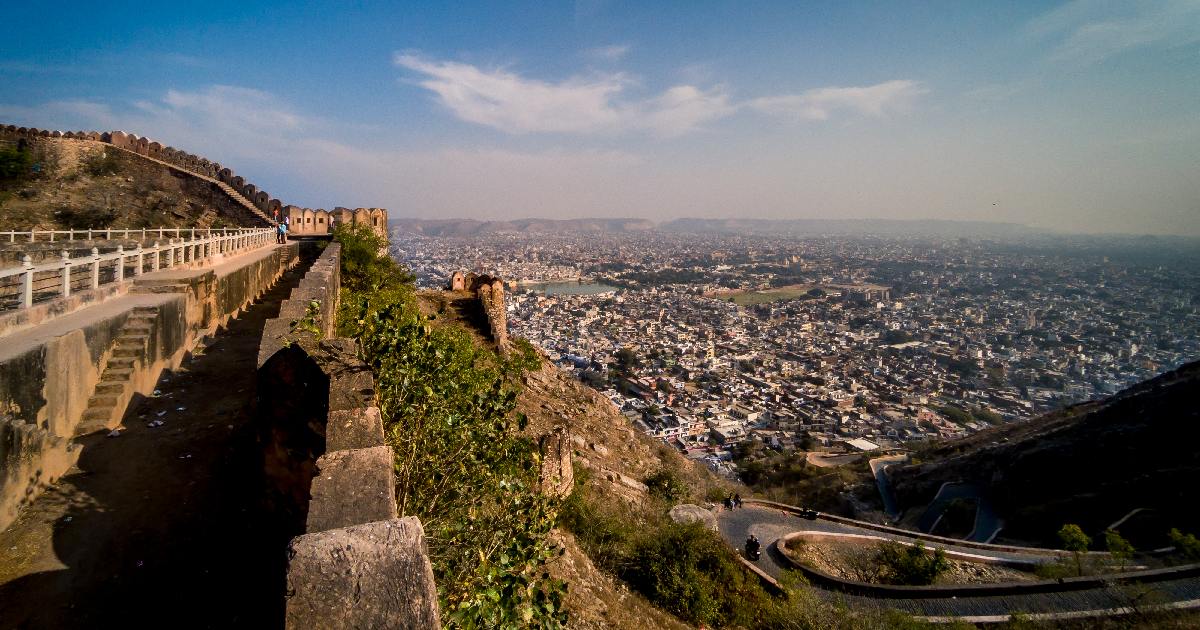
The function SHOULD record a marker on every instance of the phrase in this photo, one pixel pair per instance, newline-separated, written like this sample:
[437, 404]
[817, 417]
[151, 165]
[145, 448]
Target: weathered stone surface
[375, 575]
[689, 513]
[557, 478]
[354, 428]
[354, 486]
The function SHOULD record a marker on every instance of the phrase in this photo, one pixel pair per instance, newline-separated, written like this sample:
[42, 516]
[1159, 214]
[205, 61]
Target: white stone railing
[35, 283]
[35, 236]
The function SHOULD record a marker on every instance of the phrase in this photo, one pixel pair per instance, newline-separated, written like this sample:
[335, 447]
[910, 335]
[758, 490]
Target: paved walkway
[771, 524]
[165, 525]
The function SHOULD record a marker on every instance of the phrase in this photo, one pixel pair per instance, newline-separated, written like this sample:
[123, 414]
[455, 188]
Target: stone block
[375, 575]
[354, 428]
[354, 486]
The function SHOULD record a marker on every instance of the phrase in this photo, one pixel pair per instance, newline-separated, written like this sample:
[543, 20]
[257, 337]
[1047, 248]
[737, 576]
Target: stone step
[138, 341]
[138, 329]
[103, 400]
[127, 352]
[121, 363]
[117, 373]
[102, 414]
[110, 387]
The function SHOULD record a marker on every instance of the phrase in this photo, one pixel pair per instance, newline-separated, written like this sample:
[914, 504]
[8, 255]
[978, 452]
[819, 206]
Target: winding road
[771, 524]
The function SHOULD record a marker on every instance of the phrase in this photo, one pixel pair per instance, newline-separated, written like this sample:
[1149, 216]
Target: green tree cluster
[911, 565]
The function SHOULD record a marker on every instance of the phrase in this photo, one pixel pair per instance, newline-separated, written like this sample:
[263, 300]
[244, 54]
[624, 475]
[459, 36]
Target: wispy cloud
[515, 104]
[1090, 31]
[818, 104]
[615, 52]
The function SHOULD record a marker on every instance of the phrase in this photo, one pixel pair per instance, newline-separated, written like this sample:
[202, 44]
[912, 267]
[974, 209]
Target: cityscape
[851, 343]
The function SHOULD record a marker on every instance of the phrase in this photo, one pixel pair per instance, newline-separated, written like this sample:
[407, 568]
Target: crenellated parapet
[318, 222]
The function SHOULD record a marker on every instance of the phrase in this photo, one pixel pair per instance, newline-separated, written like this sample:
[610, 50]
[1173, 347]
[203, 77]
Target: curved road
[771, 524]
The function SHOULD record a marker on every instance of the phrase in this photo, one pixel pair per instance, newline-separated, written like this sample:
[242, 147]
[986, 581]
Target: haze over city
[1076, 117]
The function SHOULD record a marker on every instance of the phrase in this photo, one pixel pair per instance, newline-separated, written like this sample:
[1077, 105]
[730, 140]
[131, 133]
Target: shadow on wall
[293, 405]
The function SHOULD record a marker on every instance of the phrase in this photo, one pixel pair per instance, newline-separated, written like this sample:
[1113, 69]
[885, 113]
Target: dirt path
[161, 526]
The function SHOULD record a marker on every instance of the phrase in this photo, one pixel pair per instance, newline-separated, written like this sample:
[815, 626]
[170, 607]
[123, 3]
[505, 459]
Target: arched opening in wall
[292, 410]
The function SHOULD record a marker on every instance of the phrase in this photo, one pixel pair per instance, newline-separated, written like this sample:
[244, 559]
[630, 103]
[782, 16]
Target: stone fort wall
[303, 221]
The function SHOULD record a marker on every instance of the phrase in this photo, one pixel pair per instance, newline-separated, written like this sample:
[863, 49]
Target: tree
[627, 360]
[1120, 548]
[1186, 545]
[1075, 541]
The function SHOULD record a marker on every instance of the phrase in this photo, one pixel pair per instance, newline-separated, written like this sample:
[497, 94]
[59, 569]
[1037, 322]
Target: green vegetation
[689, 571]
[1118, 547]
[14, 163]
[460, 464]
[101, 164]
[911, 565]
[961, 416]
[767, 296]
[667, 485]
[1186, 545]
[1074, 540]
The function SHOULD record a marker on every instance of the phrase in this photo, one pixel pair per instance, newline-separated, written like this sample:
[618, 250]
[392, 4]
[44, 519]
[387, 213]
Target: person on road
[752, 547]
[737, 500]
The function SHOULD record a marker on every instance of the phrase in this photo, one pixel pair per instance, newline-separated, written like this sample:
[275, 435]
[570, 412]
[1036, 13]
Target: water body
[568, 288]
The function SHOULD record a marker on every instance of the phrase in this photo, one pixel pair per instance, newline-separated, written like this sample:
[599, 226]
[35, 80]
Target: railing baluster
[27, 282]
[66, 274]
[120, 264]
[154, 263]
[141, 260]
[95, 268]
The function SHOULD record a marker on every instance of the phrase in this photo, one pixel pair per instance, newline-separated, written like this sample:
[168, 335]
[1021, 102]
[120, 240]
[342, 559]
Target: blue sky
[1079, 116]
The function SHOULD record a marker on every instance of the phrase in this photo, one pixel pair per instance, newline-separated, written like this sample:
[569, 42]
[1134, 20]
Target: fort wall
[303, 221]
[355, 564]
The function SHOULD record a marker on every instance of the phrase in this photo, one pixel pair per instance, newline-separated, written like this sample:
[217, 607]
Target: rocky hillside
[611, 462]
[76, 184]
[1089, 464]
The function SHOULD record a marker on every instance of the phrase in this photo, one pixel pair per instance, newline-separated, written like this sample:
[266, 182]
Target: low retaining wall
[357, 565]
[890, 591]
[48, 373]
[941, 540]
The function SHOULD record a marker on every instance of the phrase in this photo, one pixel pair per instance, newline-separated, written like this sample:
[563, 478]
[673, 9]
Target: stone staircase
[233, 194]
[114, 391]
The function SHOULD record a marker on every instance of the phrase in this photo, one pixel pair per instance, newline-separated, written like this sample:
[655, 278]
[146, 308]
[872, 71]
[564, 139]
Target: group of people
[733, 501]
[283, 227]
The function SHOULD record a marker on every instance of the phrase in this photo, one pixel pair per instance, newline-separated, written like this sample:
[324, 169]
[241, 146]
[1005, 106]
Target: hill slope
[79, 184]
[1089, 464]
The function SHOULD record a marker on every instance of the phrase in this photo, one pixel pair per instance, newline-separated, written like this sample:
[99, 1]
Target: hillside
[472, 227]
[1089, 464]
[81, 184]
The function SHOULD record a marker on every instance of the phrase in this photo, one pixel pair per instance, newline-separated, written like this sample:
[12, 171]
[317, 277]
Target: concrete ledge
[375, 575]
[43, 312]
[351, 487]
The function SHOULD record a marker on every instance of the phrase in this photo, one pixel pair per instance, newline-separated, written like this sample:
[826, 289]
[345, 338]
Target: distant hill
[1088, 464]
[472, 227]
[794, 227]
[880, 227]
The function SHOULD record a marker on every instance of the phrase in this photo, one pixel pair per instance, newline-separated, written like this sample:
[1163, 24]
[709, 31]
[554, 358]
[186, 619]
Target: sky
[1079, 116]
